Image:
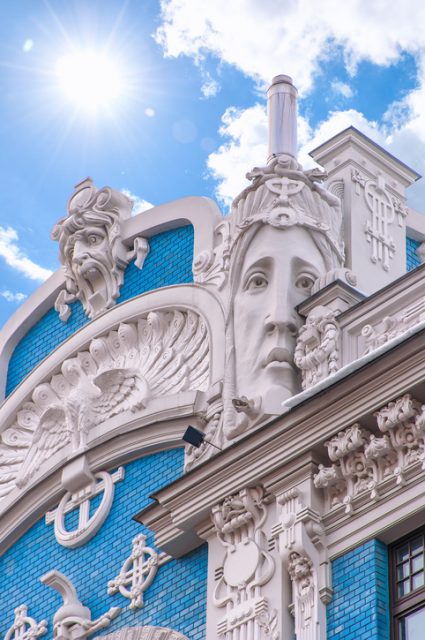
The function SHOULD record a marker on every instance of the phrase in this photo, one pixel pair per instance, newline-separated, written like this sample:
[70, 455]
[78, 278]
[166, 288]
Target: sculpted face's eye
[256, 282]
[305, 282]
[94, 239]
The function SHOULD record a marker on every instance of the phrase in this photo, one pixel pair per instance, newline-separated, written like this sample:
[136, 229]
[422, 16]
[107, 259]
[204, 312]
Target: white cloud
[259, 37]
[342, 88]
[12, 297]
[139, 204]
[263, 39]
[245, 134]
[15, 258]
[149, 112]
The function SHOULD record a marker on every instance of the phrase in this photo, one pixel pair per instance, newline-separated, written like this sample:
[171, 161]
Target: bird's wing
[51, 435]
[182, 355]
[121, 389]
[10, 463]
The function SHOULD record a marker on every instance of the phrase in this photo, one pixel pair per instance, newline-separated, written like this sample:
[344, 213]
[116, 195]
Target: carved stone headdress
[281, 193]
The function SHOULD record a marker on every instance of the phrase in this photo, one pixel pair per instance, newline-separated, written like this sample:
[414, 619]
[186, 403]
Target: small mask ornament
[91, 249]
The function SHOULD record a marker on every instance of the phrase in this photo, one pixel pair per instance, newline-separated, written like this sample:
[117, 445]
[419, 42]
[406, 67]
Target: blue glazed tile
[177, 596]
[360, 604]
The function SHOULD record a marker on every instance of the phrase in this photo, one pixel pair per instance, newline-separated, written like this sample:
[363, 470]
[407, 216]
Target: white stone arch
[127, 435]
[144, 633]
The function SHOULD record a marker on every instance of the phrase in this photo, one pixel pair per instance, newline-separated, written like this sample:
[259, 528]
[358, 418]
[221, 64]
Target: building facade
[290, 334]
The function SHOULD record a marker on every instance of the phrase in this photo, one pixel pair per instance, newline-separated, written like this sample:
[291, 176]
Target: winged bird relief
[88, 404]
[163, 353]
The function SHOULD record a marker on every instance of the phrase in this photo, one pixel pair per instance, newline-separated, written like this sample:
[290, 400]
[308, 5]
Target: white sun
[91, 80]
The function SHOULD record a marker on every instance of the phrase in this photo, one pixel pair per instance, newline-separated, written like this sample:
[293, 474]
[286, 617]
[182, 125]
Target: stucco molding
[81, 487]
[366, 463]
[136, 574]
[301, 541]
[317, 348]
[91, 248]
[54, 418]
[144, 435]
[246, 568]
[190, 297]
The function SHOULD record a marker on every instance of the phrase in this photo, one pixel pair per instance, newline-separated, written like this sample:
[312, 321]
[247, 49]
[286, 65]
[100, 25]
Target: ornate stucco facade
[290, 333]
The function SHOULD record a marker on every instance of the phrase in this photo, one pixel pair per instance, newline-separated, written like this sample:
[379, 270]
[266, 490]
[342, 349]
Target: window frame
[413, 601]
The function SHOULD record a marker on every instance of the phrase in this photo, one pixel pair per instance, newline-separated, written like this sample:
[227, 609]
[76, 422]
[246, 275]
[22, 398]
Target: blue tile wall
[169, 262]
[359, 609]
[412, 260]
[175, 599]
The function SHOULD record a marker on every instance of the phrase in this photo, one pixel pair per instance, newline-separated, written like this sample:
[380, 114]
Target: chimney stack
[282, 110]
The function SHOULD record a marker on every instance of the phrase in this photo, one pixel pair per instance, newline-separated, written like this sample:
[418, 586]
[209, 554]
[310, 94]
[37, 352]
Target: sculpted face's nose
[281, 325]
[280, 315]
[80, 252]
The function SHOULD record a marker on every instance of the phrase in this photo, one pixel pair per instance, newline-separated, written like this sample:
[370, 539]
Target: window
[408, 587]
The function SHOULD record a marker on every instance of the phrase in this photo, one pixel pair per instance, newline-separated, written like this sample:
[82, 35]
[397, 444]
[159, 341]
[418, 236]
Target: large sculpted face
[277, 272]
[88, 255]
[91, 249]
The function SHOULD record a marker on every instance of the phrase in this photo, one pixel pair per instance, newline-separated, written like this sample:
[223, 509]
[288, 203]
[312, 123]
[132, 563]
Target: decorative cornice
[183, 505]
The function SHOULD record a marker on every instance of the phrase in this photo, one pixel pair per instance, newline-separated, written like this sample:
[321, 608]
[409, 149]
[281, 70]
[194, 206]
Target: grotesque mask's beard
[96, 281]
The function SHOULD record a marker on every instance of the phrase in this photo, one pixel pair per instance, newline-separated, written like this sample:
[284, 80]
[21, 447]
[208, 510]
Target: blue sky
[181, 110]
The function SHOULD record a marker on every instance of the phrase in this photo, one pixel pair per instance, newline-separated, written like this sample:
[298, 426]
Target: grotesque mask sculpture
[91, 249]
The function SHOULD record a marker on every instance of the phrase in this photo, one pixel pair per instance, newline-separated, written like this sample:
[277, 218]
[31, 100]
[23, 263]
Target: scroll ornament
[317, 348]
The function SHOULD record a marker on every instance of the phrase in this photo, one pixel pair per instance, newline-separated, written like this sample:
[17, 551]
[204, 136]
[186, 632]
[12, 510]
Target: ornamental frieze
[163, 353]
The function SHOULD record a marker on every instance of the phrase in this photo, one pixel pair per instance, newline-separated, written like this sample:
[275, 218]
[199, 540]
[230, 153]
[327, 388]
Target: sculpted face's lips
[278, 354]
